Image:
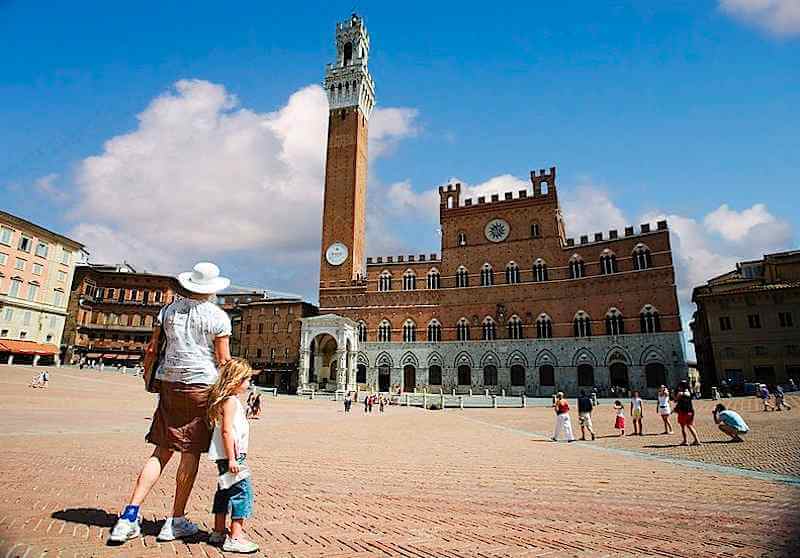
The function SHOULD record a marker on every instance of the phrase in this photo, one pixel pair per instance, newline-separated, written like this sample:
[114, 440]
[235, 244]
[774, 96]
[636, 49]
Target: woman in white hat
[197, 335]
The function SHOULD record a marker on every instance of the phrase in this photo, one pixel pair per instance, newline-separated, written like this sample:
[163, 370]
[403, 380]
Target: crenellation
[628, 231]
[661, 225]
[495, 197]
[598, 237]
[612, 234]
[509, 196]
[645, 228]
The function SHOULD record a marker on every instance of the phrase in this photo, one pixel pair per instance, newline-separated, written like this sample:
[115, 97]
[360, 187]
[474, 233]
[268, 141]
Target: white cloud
[201, 176]
[47, 185]
[588, 209]
[779, 17]
[749, 225]
[387, 126]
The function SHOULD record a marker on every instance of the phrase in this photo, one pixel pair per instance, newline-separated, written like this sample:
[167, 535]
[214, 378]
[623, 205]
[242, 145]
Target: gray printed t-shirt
[190, 327]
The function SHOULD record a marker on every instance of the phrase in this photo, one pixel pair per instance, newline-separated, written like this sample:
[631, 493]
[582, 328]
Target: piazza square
[410, 482]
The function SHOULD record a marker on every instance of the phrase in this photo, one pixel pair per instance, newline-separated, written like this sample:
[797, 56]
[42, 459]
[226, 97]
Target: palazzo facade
[510, 304]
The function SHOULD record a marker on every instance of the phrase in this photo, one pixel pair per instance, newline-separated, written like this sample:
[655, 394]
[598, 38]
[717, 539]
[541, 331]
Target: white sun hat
[203, 279]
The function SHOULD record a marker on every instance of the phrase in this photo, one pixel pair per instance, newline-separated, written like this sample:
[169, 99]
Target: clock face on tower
[497, 230]
[336, 254]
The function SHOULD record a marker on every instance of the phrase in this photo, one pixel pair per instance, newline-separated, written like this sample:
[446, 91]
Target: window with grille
[544, 328]
[434, 279]
[362, 332]
[615, 325]
[642, 258]
[384, 332]
[385, 281]
[409, 332]
[515, 328]
[650, 321]
[512, 273]
[409, 281]
[487, 277]
[462, 330]
[462, 277]
[489, 330]
[608, 264]
[434, 332]
[539, 271]
[582, 326]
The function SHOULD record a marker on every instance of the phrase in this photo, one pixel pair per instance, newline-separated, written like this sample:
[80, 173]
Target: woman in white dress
[663, 408]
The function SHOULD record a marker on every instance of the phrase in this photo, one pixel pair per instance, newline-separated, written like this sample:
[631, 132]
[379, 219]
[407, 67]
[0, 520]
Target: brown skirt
[180, 422]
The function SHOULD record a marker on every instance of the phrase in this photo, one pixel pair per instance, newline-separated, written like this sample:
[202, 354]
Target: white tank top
[241, 435]
[663, 401]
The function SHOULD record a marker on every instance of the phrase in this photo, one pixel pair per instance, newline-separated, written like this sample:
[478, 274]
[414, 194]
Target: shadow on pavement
[100, 518]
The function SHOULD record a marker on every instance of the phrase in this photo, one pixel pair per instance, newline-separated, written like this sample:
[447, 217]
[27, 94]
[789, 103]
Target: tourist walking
[381, 403]
[637, 410]
[371, 402]
[663, 408]
[229, 448]
[619, 419]
[366, 403]
[730, 422]
[563, 423]
[197, 336]
[685, 410]
[763, 393]
[780, 402]
[585, 408]
[348, 401]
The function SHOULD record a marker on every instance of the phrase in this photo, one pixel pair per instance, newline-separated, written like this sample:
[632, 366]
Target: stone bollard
[714, 393]
[486, 393]
[470, 392]
[594, 399]
[424, 399]
[406, 399]
[441, 400]
[460, 401]
[503, 392]
[454, 389]
[10, 360]
[524, 401]
[312, 394]
[494, 402]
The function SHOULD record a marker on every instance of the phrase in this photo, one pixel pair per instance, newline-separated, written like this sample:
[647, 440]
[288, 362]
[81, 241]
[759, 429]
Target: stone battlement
[543, 182]
[613, 234]
[411, 258]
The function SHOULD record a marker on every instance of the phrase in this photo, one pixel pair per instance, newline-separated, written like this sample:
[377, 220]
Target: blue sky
[685, 109]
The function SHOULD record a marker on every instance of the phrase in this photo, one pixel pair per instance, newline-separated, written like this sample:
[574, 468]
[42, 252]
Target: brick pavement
[410, 483]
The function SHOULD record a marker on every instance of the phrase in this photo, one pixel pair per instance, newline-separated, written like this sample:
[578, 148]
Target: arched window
[434, 331]
[517, 375]
[464, 375]
[515, 327]
[449, 202]
[462, 239]
[535, 230]
[409, 280]
[544, 327]
[577, 268]
[512, 273]
[409, 331]
[462, 330]
[539, 270]
[585, 375]
[385, 281]
[489, 329]
[608, 262]
[384, 331]
[490, 375]
[582, 325]
[348, 53]
[649, 320]
[487, 276]
[547, 375]
[462, 277]
[435, 375]
[434, 279]
[615, 325]
[641, 257]
[362, 331]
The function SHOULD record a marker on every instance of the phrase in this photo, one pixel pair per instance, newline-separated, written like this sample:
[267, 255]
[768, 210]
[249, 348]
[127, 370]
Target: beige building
[747, 324]
[36, 269]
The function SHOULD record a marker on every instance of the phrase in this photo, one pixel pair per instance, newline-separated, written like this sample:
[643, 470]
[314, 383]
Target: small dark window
[785, 319]
[725, 323]
[348, 54]
[361, 374]
[754, 321]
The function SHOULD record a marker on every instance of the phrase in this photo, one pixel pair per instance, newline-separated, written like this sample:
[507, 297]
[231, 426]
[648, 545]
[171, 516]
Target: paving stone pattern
[407, 483]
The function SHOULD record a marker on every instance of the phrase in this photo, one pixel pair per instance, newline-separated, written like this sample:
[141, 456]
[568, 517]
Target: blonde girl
[229, 444]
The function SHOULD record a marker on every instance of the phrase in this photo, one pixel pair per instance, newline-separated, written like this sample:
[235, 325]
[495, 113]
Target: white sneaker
[176, 528]
[240, 546]
[125, 530]
[216, 539]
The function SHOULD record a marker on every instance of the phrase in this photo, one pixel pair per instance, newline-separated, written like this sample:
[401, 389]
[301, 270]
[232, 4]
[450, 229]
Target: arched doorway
[655, 375]
[490, 375]
[409, 377]
[325, 359]
[518, 375]
[361, 374]
[384, 377]
[585, 375]
[619, 375]
[464, 375]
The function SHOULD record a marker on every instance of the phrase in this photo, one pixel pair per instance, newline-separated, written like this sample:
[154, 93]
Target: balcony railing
[116, 327]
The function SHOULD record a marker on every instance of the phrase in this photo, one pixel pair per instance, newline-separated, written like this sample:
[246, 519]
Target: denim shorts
[236, 500]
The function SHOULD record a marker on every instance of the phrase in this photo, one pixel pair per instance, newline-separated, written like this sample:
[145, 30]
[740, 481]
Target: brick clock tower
[351, 96]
